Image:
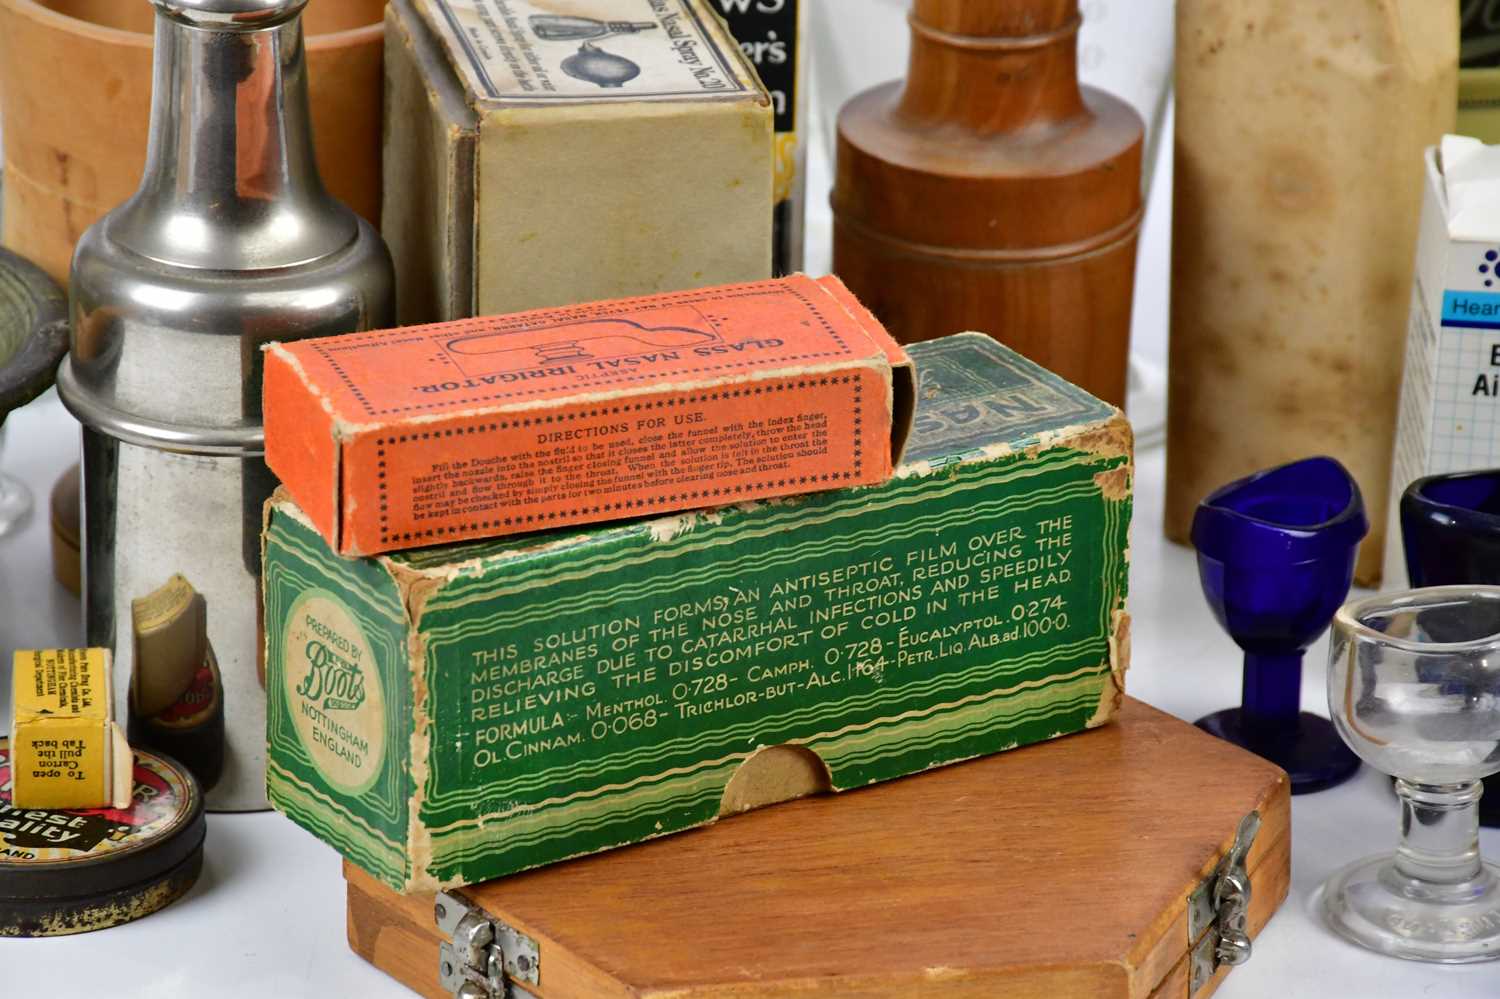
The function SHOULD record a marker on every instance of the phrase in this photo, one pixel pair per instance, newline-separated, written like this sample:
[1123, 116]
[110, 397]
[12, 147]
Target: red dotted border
[658, 504]
[354, 342]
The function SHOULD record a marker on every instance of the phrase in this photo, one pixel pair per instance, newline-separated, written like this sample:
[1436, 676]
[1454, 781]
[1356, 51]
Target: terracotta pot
[75, 101]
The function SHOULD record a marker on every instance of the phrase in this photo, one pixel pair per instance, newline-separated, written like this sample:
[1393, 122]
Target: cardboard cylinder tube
[74, 151]
[1300, 134]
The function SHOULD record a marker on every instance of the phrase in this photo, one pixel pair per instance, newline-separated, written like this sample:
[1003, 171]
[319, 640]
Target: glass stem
[1272, 694]
[1439, 832]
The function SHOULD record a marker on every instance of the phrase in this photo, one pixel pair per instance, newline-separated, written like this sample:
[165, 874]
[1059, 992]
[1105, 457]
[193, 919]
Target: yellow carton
[66, 750]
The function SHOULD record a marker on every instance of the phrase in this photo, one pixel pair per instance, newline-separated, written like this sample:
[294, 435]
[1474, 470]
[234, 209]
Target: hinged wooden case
[1071, 868]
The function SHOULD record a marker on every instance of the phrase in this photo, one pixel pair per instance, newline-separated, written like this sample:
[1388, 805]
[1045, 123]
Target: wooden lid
[990, 146]
[995, 18]
[1062, 869]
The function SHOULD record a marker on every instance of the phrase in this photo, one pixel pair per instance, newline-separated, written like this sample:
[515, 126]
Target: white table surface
[267, 916]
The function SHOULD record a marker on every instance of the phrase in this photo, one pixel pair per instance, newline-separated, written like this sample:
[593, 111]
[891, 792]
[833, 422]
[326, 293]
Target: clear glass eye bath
[1414, 689]
[1276, 557]
[1450, 527]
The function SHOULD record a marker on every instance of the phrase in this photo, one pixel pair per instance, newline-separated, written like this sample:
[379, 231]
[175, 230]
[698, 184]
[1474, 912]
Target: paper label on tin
[769, 34]
[561, 51]
[161, 801]
[333, 688]
[1481, 33]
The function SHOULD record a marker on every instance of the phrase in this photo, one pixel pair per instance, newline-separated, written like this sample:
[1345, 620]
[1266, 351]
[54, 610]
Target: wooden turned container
[992, 192]
[75, 102]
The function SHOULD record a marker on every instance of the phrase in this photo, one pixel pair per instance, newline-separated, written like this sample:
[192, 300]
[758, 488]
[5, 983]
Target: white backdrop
[267, 916]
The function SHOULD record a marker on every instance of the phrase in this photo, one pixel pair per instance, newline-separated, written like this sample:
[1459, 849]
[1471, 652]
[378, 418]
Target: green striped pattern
[579, 800]
[650, 574]
[370, 830]
[960, 663]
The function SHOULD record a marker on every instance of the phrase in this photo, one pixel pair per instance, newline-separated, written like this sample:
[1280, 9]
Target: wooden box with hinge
[1136, 860]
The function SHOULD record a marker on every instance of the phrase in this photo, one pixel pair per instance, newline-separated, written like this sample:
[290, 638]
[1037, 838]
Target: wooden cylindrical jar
[1301, 126]
[990, 191]
[75, 100]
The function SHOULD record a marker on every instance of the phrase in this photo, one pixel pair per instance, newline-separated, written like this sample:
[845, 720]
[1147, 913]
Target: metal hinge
[1219, 911]
[483, 958]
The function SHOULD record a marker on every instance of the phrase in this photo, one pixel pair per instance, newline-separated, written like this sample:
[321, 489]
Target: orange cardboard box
[484, 427]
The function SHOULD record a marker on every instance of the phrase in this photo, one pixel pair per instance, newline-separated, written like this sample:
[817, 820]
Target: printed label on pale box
[515, 51]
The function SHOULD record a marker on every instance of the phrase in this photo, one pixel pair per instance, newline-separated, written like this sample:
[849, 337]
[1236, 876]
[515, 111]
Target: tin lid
[69, 871]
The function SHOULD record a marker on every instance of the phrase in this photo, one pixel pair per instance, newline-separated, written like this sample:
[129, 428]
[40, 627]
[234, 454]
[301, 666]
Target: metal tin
[66, 872]
[230, 243]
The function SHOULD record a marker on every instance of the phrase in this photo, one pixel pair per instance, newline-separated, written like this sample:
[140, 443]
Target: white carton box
[1449, 417]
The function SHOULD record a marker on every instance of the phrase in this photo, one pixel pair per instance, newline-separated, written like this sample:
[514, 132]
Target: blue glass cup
[1276, 557]
[1450, 531]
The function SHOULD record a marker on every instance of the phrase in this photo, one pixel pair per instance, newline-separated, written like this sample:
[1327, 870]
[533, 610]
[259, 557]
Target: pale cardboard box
[521, 185]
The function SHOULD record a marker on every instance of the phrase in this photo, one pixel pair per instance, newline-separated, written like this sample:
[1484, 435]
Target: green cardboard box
[451, 715]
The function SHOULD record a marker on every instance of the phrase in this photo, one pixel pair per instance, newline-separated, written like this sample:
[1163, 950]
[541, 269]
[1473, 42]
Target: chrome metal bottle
[230, 243]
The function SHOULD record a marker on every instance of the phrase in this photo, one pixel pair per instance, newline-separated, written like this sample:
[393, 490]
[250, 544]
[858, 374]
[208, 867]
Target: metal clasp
[1219, 911]
[483, 958]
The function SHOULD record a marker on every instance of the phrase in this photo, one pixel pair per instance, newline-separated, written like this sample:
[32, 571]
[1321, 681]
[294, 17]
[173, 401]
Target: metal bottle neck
[231, 182]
